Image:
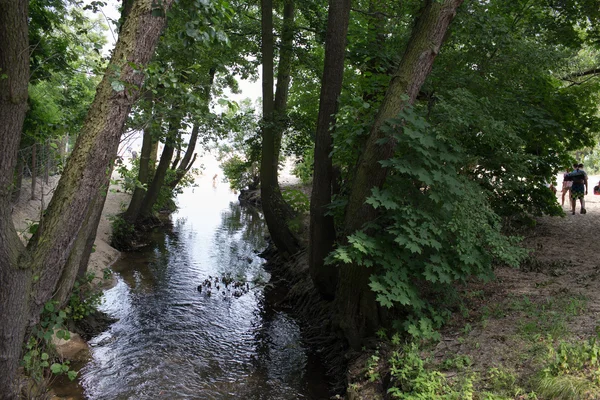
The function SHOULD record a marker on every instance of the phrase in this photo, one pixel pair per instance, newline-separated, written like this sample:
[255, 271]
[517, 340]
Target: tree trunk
[15, 283]
[29, 278]
[178, 154]
[133, 210]
[77, 263]
[159, 177]
[188, 158]
[322, 230]
[277, 212]
[153, 155]
[47, 157]
[359, 316]
[18, 182]
[34, 171]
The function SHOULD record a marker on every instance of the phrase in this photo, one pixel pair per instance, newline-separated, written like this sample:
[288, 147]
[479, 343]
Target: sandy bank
[27, 211]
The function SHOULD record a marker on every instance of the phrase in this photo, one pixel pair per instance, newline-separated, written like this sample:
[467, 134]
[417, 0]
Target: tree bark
[178, 153]
[18, 182]
[15, 283]
[159, 177]
[34, 171]
[277, 212]
[29, 277]
[187, 160]
[322, 230]
[190, 156]
[356, 304]
[133, 210]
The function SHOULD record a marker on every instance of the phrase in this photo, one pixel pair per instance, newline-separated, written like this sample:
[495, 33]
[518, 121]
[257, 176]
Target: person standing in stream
[579, 187]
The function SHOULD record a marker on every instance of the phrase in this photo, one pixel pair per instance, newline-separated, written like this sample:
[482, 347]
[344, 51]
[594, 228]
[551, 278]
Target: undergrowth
[41, 362]
[559, 366]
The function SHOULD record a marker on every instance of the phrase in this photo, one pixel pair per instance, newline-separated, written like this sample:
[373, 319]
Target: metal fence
[36, 164]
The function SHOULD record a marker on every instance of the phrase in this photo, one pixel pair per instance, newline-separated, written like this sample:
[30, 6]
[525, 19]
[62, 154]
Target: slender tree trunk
[190, 156]
[159, 177]
[34, 165]
[178, 153]
[187, 160]
[277, 212]
[153, 155]
[16, 193]
[133, 210]
[46, 156]
[322, 230]
[29, 277]
[356, 303]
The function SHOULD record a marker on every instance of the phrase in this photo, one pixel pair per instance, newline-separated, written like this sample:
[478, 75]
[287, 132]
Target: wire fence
[36, 164]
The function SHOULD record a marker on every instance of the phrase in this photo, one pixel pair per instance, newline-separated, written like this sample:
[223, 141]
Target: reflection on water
[173, 342]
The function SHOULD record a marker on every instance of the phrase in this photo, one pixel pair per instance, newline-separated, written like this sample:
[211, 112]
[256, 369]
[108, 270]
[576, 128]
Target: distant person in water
[566, 188]
[579, 188]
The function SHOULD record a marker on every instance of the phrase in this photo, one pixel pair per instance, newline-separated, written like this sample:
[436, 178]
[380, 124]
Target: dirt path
[511, 323]
[568, 254]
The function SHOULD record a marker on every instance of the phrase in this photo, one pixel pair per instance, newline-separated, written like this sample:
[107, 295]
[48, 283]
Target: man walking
[579, 187]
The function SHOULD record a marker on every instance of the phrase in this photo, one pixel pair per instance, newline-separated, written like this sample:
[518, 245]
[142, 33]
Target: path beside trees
[552, 300]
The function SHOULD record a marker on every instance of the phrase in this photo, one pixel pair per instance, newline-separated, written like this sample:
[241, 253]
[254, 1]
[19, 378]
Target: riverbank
[26, 214]
[531, 333]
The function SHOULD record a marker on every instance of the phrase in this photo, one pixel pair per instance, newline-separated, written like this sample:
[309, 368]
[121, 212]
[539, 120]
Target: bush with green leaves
[435, 227]
[304, 167]
[122, 233]
[39, 355]
[84, 299]
[240, 173]
[411, 380]
[129, 176]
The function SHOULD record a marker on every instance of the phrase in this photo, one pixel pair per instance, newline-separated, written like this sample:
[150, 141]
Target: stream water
[173, 342]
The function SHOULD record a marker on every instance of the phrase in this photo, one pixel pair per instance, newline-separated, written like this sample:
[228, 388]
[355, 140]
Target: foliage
[572, 371]
[501, 89]
[129, 175]
[122, 232]
[296, 199]
[411, 380]
[84, 299]
[241, 174]
[39, 349]
[304, 167]
[65, 60]
[435, 226]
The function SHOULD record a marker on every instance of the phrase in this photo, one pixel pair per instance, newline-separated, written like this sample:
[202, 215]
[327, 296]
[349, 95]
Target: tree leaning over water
[31, 275]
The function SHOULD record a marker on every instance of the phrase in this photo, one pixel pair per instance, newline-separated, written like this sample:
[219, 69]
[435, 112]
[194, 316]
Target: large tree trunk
[277, 212]
[322, 230]
[359, 314]
[77, 263]
[15, 283]
[29, 278]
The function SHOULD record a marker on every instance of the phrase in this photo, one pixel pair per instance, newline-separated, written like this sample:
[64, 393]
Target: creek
[172, 341]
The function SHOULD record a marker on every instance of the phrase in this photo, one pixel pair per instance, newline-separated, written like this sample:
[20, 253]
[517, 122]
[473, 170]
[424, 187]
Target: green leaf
[72, 375]
[117, 86]
[56, 368]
